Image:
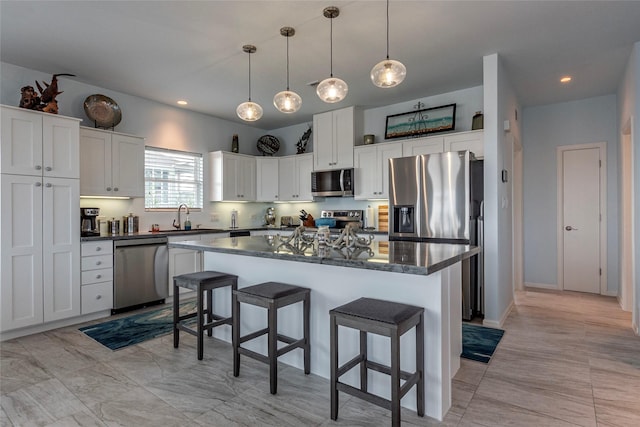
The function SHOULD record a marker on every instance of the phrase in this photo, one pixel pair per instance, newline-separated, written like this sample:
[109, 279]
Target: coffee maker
[88, 222]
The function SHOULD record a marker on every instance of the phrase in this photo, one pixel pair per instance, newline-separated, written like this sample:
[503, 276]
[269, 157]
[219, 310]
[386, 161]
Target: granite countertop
[399, 257]
[169, 233]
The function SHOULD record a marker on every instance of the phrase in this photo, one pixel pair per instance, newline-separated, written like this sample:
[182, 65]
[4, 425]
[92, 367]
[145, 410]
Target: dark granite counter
[398, 257]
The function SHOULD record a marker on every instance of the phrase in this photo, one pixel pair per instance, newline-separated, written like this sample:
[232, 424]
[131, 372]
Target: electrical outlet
[215, 217]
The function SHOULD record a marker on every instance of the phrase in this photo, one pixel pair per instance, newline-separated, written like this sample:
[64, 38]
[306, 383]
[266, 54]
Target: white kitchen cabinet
[472, 141]
[112, 164]
[417, 146]
[183, 261]
[295, 177]
[233, 177]
[371, 164]
[35, 143]
[334, 133]
[97, 276]
[39, 250]
[267, 179]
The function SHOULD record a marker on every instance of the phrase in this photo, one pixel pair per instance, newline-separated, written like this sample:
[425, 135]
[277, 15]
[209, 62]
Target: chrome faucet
[178, 226]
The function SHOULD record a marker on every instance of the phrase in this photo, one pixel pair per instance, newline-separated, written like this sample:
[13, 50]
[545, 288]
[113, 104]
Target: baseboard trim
[541, 285]
[30, 330]
[503, 318]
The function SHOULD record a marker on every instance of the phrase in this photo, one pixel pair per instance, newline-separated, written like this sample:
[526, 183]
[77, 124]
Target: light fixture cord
[249, 76]
[287, 61]
[331, 47]
[387, 29]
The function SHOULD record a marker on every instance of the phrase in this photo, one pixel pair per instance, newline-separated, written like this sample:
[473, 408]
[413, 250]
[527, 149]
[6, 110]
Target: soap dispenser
[187, 223]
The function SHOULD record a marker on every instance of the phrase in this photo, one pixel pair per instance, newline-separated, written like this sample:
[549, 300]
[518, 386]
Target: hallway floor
[566, 359]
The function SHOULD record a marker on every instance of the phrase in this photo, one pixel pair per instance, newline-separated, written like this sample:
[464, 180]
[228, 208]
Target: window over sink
[172, 177]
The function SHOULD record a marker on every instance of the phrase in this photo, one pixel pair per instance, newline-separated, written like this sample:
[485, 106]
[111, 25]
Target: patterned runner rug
[479, 342]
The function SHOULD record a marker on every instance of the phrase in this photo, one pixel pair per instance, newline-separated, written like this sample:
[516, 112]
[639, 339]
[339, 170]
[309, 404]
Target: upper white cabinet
[295, 177]
[371, 164]
[334, 133]
[267, 179]
[112, 164]
[233, 177]
[35, 143]
[417, 146]
[472, 141]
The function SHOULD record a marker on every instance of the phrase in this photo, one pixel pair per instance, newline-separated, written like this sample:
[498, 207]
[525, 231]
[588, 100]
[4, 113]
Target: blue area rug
[479, 342]
[126, 331]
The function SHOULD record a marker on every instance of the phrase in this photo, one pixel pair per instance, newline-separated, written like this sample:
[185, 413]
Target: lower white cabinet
[97, 276]
[371, 164]
[183, 261]
[39, 250]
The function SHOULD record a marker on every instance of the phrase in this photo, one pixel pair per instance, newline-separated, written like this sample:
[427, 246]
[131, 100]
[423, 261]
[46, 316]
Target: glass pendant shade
[287, 101]
[332, 90]
[388, 73]
[249, 111]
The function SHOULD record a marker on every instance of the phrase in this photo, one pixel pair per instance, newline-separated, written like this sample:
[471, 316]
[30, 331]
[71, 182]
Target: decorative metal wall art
[420, 122]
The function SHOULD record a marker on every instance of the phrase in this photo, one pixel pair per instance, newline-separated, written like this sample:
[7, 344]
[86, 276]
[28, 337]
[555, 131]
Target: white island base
[331, 286]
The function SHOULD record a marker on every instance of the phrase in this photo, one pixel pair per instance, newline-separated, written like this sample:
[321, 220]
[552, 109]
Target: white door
[581, 195]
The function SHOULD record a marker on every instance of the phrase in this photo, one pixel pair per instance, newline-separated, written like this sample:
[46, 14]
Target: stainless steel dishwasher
[141, 272]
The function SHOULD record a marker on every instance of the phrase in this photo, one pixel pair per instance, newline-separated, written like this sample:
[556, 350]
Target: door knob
[569, 228]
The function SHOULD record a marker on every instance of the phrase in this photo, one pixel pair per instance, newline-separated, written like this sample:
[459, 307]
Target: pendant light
[287, 101]
[389, 72]
[332, 89]
[249, 111]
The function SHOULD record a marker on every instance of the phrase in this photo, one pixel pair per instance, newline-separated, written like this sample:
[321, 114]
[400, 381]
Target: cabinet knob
[48, 168]
[108, 188]
[38, 184]
[99, 263]
[98, 296]
[98, 276]
[98, 249]
[38, 167]
[48, 185]
[115, 188]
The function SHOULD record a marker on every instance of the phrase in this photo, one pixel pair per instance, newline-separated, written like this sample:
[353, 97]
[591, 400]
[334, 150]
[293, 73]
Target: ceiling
[192, 50]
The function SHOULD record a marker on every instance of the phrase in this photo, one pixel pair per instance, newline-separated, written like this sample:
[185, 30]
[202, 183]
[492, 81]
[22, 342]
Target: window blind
[172, 177]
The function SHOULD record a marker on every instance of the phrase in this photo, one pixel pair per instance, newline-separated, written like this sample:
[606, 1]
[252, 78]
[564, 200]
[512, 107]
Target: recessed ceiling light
[565, 79]
[182, 102]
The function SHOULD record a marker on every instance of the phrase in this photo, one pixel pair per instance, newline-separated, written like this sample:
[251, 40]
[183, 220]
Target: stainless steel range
[344, 217]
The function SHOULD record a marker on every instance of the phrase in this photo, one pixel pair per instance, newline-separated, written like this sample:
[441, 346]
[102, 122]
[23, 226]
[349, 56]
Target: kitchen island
[422, 274]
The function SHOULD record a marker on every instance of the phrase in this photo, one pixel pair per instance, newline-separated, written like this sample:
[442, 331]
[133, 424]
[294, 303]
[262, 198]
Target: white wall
[545, 128]
[629, 108]
[500, 104]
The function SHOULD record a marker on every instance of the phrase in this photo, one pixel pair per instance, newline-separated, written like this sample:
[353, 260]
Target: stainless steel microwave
[333, 183]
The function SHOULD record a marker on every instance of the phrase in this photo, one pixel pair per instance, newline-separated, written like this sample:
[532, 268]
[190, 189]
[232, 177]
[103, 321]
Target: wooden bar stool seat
[203, 283]
[272, 296]
[390, 319]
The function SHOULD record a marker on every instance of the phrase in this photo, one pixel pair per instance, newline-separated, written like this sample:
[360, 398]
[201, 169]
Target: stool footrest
[375, 366]
[410, 382]
[286, 349]
[253, 335]
[187, 330]
[252, 354]
[364, 395]
[219, 321]
[350, 365]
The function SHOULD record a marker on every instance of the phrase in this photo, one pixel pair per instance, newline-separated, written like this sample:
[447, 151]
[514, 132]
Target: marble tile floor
[566, 359]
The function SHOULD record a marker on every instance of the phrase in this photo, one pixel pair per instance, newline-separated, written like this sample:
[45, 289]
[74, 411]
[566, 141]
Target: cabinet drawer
[97, 248]
[95, 276]
[97, 297]
[96, 262]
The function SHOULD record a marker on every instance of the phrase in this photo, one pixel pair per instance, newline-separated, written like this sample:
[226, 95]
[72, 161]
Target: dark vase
[478, 121]
[234, 144]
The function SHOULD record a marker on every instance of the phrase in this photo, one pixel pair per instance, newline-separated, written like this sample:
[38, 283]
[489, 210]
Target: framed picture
[420, 122]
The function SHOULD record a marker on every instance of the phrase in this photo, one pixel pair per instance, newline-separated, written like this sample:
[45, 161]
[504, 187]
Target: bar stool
[385, 318]
[203, 282]
[272, 296]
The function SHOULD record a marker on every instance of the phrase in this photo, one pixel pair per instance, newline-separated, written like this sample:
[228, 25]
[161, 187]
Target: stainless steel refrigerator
[437, 198]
